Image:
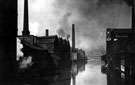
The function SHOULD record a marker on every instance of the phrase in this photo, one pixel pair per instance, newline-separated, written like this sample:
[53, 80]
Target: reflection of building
[114, 77]
[76, 68]
[74, 72]
[81, 66]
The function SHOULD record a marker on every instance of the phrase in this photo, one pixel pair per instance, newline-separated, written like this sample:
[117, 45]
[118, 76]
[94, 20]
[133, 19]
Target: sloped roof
[32, 46]
[47, 39]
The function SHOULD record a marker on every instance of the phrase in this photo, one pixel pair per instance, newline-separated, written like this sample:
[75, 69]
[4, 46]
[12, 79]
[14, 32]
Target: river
[81, 73]
[89, 72]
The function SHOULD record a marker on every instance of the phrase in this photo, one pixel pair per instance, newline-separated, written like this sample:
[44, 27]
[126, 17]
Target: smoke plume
[91, 18]
[26, 62]
[64, 25]
[19, 47]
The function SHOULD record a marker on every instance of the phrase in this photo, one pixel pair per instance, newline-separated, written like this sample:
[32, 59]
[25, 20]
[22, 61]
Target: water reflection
[88, 74]
[117, 76]
[114, 77]
[78, 73]
[77, 67]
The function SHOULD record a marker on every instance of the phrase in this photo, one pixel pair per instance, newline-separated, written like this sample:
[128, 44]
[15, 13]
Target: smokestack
[73, 36]
[133, 15]
[47, 32]
[25, 21]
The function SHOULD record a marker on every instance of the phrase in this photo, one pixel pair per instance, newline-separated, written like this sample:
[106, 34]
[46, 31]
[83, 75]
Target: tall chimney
[133, 15]
[25, 21]
[47, 32]
[73, 36]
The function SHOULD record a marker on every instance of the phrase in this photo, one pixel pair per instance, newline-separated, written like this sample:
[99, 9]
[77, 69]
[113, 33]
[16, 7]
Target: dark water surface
[87, 72]
[80, 73]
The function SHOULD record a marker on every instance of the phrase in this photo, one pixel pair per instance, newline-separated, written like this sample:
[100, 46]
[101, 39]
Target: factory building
[120, 50]
[47, 46]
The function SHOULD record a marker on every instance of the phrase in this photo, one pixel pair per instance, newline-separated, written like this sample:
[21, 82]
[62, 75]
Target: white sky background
[91, 18]
[40, 17]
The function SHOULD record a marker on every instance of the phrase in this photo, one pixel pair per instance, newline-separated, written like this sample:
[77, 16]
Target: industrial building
[44, 48]
[76, 53]
[120, 51]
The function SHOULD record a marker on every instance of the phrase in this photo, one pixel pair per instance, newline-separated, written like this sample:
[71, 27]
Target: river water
[87, 72]
[81, 73]
[91, 75]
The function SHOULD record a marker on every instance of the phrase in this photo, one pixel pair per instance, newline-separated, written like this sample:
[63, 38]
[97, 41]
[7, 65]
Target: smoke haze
[91, 18]
[19, 47]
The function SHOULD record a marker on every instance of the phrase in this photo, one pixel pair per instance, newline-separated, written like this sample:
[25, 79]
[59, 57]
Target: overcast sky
[91, 18]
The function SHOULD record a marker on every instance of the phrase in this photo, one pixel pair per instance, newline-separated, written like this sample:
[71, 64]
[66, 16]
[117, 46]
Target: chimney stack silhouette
[25, 31]
[47, 32]
[73, 36]
[133, 15]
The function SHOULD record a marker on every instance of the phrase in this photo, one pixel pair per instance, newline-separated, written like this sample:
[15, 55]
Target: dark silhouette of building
[8, 33]
[114, 77]
[73, 37]
[26, 20]
[133, 15]
[121, 47]
[50, 45]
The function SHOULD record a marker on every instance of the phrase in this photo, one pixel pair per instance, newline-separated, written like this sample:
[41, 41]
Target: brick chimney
[47, 32]
[26, 31]
[73, 36]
